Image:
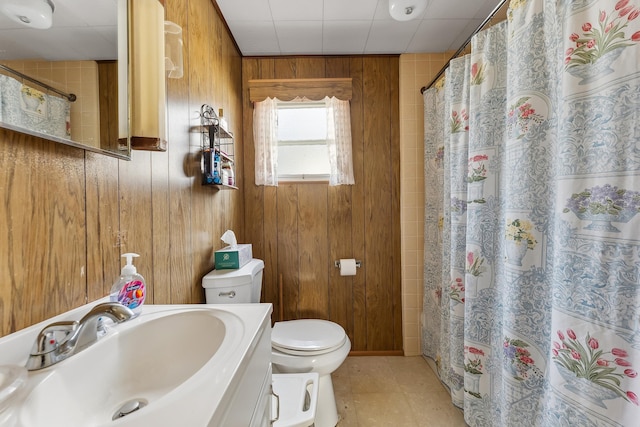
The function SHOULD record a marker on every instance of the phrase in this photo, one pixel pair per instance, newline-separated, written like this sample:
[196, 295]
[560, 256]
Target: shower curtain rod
[464, 45]
[70, 96]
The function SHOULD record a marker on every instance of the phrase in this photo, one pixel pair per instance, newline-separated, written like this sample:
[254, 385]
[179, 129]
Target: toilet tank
[240, 286]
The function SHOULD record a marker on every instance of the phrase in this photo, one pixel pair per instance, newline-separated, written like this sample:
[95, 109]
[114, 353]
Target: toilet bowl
[297, 346]
[312, 345]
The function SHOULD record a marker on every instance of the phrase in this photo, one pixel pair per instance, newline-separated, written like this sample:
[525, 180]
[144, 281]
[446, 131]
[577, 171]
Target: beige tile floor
[392, 391]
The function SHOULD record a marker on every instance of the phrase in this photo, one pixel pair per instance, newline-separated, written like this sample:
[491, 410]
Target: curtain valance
[288, 89]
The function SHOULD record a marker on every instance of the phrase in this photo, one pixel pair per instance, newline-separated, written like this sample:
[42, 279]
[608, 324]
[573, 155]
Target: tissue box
[228, 258]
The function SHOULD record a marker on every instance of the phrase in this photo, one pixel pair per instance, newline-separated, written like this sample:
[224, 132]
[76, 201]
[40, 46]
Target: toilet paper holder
[337, 263]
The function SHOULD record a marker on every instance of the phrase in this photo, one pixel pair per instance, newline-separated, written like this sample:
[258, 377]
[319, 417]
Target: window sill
[301, 179]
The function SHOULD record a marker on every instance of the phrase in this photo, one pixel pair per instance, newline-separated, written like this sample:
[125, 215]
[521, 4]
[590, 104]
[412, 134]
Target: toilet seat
[307, 337]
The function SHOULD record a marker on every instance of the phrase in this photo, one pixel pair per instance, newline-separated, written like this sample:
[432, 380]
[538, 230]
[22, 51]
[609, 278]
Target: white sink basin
[172, 362]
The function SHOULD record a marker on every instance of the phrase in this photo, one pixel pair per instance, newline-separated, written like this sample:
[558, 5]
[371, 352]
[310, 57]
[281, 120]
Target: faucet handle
[46, 340]
[46, 350]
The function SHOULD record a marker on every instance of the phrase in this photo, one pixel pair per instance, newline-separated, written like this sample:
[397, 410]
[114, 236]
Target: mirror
[84, 53]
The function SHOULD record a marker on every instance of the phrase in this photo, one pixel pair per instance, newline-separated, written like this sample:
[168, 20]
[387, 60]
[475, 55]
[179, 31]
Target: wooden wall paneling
[216, 61]
[161, 218]
[231, 95]
[286, 199]
[285, 68]
[367, 306]
[107, 86]
[14, 226]
[205, 238]
[378, 204]
[269, 236]
[183, 167]
[55, 254]
[222, 203]
[358, 214]
[103, 226]
[339, 202]
[15, 186]
[56, 257]
[43, 218]
[253, 194]
[221, 200]
[136, 213]
[53, 233]
[396, 280]
[288, 251]
[313, 251]
[308, 67]
[236, 118]
[340, 243]
[337, 67]
[270, 228]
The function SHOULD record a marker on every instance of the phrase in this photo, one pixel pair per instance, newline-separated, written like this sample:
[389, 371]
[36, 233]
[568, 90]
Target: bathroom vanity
[200, 365]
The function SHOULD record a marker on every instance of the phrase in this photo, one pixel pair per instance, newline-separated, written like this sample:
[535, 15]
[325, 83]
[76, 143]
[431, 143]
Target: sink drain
[129, 408]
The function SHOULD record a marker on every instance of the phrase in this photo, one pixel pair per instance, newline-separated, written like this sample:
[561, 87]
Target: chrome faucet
[76, 335]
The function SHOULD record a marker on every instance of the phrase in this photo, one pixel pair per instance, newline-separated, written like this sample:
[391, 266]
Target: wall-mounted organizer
[218, 165]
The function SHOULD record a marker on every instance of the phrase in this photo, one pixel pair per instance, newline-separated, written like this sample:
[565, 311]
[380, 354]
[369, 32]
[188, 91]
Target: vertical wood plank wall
[67, 215]
[301, 229]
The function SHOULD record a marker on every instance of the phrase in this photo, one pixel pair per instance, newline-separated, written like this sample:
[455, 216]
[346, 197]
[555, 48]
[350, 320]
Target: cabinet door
[262, 416]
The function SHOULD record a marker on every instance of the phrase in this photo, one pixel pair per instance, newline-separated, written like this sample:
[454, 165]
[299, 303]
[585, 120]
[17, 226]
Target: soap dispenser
[130, 289]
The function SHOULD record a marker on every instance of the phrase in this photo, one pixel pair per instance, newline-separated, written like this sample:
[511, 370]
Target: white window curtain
[265, 127]
[265, 137]
[339, 141]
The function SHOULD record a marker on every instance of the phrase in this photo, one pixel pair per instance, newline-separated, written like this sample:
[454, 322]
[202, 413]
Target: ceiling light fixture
[405, 10]
[32, 13]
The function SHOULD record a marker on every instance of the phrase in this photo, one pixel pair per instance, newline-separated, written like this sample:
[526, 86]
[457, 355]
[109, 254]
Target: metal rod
[464, 45]
[70, 96]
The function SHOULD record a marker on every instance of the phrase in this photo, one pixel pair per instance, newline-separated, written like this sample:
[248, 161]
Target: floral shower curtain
[532, 238]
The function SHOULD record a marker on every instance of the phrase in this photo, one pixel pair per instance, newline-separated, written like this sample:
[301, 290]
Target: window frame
[304, 177]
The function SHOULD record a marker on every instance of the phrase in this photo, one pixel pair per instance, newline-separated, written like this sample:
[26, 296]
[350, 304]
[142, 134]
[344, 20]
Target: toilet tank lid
[240, 276]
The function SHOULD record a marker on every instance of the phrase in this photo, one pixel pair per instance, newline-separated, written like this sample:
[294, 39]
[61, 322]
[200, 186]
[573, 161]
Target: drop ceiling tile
[329, 26]
[256, 37]
[299, 37]
[245, 10]
[345, 37]
[435, 35]
[296, 10]
[485, 9]
[83, 42]
[452, 9]
[77, 13]
[390, 36]
[382, 11]
[352, 10]
[20, 44]
[464, 33]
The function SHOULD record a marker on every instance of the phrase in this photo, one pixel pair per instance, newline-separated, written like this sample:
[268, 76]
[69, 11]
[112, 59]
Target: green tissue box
[232, 258]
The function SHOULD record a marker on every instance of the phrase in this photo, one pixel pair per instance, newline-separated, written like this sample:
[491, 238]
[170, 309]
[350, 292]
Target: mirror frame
[123, 96]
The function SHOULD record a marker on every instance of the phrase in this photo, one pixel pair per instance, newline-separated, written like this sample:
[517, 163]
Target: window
[302, 141]
[302, 145]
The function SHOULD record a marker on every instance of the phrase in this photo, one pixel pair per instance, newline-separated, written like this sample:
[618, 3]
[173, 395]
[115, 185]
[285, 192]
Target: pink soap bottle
[130, 288]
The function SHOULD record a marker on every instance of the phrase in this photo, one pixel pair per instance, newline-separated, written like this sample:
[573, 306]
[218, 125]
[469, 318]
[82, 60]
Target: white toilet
[297, 346]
